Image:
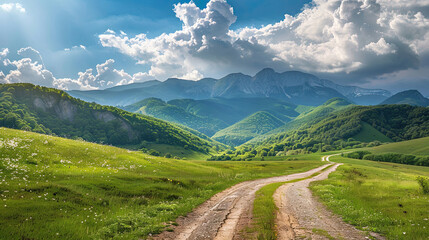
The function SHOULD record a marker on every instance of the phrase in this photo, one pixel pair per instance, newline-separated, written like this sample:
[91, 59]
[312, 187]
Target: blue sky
[380, 44]
[50, 26]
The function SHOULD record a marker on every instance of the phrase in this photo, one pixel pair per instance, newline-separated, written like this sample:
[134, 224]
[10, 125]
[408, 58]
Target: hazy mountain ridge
[411, 97]
[159, 109]
[293, 86]
[248, 128]
[211, 115]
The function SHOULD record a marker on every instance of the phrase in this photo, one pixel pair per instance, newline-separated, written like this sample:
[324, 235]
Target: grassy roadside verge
[56, 188]
[378, 197]
[264, 209]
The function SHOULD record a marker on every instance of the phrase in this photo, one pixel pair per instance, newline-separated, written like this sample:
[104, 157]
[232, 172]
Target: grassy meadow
[55, 188]
[378, 197]
[419, 146]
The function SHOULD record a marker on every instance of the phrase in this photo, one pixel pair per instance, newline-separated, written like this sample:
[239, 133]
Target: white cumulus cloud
[361, 38]
[9, 7]
[80, 47]
[204, 44]
[107, 76]
[33, 54]
[380, 48]
[3, 53]
[30, 69]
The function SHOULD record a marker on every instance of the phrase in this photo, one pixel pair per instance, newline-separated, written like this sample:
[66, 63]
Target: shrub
[395, 158]
[143, 149]
[357, 154]
[374, 144]
[153, 152]
[424, 184]
[422, 161]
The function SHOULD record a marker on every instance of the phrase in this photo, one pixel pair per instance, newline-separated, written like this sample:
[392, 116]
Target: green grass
[264, 212]
[176, 151]
[322, 232]
[379, 197]
[369, 134]
[264, 209]
[55, 188]
[418, 146]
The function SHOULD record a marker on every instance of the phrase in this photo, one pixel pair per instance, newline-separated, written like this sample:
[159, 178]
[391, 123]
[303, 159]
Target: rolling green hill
[247, 106]
[157, 108]
[56, 188]
[51, 111]
[411, 152]
[419, 146]
[232, 110]
[308, 117]
[352, 126]
[248, 128]
[210, 108]
[211, 115]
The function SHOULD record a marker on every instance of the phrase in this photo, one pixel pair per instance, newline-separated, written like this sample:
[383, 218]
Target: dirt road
[226, 213]
[326, 158]
[300, 215]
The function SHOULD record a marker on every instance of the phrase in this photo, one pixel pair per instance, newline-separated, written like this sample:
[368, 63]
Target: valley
[211, 168]
[106, 192]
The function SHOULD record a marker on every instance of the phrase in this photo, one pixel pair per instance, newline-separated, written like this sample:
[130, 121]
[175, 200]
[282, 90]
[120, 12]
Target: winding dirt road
[301, 216]
[228, 213]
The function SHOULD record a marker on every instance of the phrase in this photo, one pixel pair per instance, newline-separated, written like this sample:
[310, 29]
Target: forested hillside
[248, 128]
[307, 118]
[51, 111]
[395, 122]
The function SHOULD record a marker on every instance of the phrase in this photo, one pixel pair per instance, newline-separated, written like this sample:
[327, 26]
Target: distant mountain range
[292, 86]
